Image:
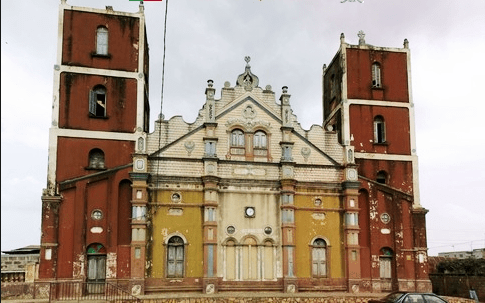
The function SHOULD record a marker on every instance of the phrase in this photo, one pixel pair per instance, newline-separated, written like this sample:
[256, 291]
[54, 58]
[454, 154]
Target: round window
[231, 229]
[96, 214]
[385, 218]
[318, 202]
[268, 230]
[176, 197]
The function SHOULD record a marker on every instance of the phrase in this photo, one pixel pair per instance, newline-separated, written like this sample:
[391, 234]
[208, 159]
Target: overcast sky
[288, 42]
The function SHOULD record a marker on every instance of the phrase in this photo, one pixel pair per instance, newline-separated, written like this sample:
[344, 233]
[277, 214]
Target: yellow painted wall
[189, 224]
[309, 226]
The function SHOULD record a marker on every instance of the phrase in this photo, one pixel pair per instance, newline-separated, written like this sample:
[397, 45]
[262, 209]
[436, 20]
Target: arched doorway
[96, 268]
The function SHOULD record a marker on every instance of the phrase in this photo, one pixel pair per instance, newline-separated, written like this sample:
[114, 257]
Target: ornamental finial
[247, 59]
[361, 37]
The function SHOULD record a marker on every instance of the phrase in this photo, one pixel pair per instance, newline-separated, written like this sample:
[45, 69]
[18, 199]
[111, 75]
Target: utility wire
[160, 118]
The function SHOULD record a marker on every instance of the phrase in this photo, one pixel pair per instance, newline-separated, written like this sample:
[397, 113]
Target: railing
[81, 291]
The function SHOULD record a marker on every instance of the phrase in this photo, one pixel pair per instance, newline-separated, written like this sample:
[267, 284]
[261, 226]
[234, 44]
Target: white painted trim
[412, 134]
[140, 91]
[345, 104]
[417, 200]
[379, 48]
[379, 103]
[98, 71]
[391, 157]
[89, 134]
[101, 11]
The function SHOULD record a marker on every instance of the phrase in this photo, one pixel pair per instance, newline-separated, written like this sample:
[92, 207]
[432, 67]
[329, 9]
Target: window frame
[386, 258]
[177, 248]
[97, 102]
[379, 130]
[322, 258]
[102, 34]
[376, 75]
[237, 142]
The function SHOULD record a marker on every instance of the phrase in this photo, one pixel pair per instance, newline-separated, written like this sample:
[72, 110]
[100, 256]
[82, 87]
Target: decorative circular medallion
[352, 174]
[140, 164]
[318, 202]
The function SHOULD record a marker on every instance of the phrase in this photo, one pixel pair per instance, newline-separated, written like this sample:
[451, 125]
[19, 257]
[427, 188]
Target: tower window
[97, 101]
[96, 159]
[379, 130]
[102, 41]
[376, 75]
[381, 177]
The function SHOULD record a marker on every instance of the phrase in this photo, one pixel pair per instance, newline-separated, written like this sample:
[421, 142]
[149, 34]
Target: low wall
[458, 285]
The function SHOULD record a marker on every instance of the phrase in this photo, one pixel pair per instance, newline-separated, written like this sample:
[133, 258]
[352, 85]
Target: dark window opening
[381, 177]
[379, 130]
[97, 102]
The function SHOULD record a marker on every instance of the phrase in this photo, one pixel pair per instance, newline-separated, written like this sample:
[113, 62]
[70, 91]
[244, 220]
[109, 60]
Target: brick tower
[99, 123]
[367, 100]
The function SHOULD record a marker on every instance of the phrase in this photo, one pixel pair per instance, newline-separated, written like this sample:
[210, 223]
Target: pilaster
[49, 239]
[139, 202]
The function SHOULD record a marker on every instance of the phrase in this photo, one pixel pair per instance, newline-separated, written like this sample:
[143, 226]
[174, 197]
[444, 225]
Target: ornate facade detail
[248, 125]
[247, 79]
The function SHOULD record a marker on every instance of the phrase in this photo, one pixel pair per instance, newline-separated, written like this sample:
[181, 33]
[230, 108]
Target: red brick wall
[120, 103]
[396, 124]
[393, 75]
[79, 40]
[73, 155]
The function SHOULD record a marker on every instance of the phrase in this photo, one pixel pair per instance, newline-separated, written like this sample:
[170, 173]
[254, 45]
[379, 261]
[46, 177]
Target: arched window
[376, 75]
[319, 258]
[102, 41]
[96, 159]
[381, 177]
[237, 144]
[385, 262]
[237, 138]
[97, 101]
[96, 254]
[379, 130]
[175, 257]
[260, 139]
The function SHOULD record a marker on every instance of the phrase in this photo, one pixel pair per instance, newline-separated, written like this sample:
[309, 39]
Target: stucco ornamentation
[189, 146]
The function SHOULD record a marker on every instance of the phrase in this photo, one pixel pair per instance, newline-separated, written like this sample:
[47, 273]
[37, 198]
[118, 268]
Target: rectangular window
[210, 148]
[102, 41]
[385, 267]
